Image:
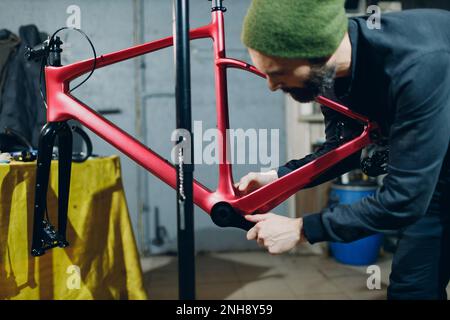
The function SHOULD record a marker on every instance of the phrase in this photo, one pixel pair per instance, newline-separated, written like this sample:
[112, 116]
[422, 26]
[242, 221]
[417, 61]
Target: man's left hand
[276, 233]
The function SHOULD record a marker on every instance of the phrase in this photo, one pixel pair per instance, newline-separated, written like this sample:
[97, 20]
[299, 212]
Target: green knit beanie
[295, 28]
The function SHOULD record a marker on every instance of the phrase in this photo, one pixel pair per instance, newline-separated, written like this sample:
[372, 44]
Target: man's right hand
[255, 180]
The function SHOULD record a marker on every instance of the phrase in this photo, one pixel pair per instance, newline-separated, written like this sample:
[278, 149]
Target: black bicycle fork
[45, 236]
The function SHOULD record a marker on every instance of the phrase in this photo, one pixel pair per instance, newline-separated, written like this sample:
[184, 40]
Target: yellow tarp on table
[101, 262]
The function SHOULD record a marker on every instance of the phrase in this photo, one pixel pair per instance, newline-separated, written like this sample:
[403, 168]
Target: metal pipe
[185, 206]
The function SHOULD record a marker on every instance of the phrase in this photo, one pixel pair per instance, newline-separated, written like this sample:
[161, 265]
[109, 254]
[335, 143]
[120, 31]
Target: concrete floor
[258, 275]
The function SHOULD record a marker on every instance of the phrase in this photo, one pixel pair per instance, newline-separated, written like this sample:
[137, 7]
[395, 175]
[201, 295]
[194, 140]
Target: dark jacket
[400, 77]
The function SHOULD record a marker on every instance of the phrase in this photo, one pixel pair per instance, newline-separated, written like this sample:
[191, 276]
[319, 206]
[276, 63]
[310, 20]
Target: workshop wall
[146, 90]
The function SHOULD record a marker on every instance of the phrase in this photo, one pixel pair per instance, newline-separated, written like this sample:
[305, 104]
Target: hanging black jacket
[21, 105]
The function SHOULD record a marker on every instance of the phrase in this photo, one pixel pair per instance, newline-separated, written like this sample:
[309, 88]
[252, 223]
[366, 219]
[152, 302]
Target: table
[102, 261]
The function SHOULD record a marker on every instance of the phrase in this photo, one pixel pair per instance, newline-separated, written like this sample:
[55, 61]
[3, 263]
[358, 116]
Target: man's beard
[321, 79]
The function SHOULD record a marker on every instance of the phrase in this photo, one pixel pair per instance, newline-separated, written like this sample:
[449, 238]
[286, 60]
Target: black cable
[44, 60]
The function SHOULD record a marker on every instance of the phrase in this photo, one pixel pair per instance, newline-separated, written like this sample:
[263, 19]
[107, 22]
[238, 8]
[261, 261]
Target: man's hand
[276, 233]
[255, 180]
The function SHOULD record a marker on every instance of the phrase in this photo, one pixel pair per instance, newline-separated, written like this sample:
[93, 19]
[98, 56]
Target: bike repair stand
[185, 206]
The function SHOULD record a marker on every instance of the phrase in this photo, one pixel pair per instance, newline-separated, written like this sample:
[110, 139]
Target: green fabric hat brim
[295, 28]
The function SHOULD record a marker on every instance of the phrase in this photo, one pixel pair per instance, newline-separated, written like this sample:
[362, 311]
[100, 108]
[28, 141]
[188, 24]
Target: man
[399, 76]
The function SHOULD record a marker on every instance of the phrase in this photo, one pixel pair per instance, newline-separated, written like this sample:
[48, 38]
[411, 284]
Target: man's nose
[273, 85]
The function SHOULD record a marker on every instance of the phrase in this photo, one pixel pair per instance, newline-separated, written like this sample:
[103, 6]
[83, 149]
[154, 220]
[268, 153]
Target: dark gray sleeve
[338, 129]
[418, 140]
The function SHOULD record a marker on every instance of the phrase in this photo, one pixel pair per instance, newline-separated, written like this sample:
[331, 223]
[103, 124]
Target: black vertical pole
[185, 208]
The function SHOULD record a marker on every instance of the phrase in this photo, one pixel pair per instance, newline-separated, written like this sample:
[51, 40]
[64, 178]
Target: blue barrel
[364, 251]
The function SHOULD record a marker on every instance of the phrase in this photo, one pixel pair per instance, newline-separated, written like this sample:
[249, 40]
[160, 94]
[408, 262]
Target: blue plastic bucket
[364, 251]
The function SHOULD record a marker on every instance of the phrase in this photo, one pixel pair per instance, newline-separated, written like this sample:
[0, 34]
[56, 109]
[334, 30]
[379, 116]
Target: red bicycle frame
[63, 106]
